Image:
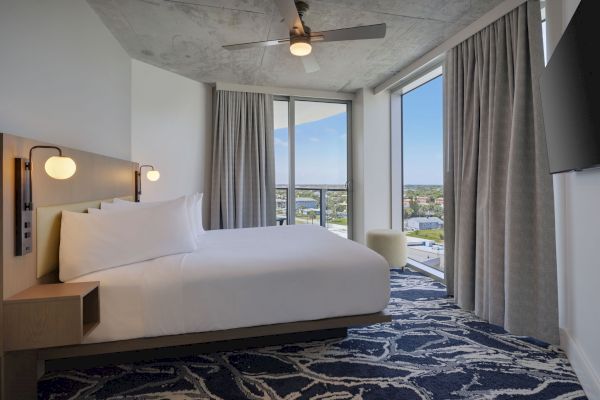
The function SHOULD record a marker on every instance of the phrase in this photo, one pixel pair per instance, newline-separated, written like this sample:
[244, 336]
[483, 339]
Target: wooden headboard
[97, 177]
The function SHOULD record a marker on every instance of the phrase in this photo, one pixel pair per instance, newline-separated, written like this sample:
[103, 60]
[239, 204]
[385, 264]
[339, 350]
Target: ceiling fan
[301, 36]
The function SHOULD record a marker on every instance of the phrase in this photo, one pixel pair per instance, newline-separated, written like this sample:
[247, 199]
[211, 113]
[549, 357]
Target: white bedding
[239, 278]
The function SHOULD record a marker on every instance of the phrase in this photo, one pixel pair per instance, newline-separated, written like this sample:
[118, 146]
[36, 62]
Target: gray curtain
[243, 166]
[499, 215]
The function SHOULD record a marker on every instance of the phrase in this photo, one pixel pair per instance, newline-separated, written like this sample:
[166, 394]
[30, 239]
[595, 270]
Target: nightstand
[51, 315]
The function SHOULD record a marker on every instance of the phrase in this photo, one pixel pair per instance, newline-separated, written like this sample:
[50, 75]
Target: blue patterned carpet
[431, 350]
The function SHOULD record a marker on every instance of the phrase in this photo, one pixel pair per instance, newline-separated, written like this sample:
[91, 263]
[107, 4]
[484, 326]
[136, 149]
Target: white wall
[371, 162]
[577, 198]
[171, 128]
[64, 78]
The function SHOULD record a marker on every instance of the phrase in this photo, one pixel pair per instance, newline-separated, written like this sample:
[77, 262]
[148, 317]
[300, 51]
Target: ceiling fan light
[300, 46]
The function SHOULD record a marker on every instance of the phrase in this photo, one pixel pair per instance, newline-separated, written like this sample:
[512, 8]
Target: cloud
[314, 139]
[279, 142]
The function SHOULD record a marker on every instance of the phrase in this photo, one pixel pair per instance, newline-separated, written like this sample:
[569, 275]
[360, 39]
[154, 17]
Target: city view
[422, 156]
[308, 206]
[423, 211]
[320, 169]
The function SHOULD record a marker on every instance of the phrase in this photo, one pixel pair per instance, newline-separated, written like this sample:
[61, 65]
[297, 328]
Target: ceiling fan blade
[356, 33]
[288, 11]
[253, 45]
[310, 63]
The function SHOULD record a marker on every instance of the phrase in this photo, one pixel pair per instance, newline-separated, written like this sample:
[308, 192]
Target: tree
[312, 215]
[416, 209]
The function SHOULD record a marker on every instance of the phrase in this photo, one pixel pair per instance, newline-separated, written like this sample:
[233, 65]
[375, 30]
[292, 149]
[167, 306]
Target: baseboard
[589, 378]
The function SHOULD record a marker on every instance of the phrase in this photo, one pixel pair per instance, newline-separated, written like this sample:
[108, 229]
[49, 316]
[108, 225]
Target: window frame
[397, 157]
[291, 205]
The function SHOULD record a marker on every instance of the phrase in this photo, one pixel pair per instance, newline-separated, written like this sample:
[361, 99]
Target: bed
[241, 278]
[236, 289]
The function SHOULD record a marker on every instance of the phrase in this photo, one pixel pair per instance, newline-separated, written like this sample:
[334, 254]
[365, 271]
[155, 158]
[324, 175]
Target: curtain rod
[321, 94]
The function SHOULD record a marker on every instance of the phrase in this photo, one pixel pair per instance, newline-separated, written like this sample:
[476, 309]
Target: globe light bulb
[153, 175]
[59, 167]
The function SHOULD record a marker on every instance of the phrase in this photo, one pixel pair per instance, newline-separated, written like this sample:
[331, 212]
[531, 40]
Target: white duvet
[239, 278]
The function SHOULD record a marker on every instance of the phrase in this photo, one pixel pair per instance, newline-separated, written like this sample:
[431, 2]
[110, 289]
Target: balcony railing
[310, 201]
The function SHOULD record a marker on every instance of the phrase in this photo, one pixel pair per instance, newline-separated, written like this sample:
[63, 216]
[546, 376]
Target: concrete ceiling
[185, 36]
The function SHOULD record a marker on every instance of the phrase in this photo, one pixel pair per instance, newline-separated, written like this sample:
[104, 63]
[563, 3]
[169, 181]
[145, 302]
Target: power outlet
[23, 214]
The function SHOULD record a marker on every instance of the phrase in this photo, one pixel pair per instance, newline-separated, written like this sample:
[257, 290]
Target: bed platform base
[22, 369]
[128, 357]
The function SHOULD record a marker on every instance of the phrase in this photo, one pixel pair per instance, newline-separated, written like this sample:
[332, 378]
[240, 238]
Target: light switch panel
[23, 212]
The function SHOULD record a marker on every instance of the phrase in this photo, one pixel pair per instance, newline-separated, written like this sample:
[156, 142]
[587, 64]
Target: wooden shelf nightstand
[51, 315]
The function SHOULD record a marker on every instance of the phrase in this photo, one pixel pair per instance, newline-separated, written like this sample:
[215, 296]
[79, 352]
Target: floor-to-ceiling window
[417, 165]
[282, 160]
[418, 170]
[312, 144]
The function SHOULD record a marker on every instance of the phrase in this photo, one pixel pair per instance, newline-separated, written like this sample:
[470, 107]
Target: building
[306, 203]
[422, 200]
[280, 204]
[423, 223]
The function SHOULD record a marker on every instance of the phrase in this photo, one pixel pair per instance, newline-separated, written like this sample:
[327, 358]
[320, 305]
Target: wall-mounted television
[570, 88]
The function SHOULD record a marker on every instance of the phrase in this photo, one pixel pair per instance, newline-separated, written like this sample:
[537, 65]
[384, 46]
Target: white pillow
[198, 209]
[94, 242]
[195, 207]
[193, 201]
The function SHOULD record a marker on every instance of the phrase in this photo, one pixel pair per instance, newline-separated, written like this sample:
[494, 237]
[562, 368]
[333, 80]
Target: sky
[423, 134]
[320, 152]
[321, 142]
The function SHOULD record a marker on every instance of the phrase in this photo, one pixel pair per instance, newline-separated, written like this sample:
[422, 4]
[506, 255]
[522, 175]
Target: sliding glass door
[312, 144]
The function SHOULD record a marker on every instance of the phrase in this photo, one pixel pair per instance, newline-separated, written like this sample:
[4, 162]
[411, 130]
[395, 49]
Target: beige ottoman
[390, 244]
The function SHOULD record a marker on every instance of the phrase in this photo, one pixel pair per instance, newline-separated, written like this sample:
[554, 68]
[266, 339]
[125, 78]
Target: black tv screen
[571, 94]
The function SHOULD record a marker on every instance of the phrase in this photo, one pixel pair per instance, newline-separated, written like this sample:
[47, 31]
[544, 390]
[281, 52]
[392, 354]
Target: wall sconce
[57, 167]
[153, 175]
